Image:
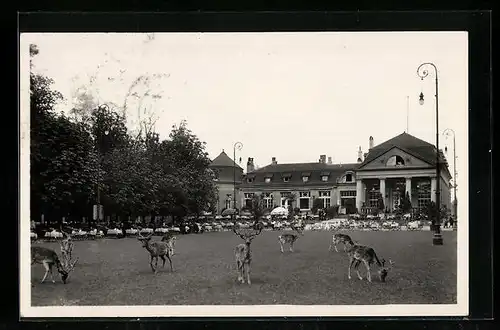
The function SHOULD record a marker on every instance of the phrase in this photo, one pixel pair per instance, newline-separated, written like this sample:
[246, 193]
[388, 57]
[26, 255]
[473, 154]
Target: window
[285, 195]
[348, 193]
[395, 161]
[304, 199]
[324, 178]
[268, 180]
[267, 200]
[348, 177]
[325, 196]
[286, 179]
[249, 180]
[305, 178]
[373, 197]
[248, 199]
[424, 194]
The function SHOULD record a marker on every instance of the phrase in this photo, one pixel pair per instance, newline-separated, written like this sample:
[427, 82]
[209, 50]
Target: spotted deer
[340, 239]
[364, 254]
[170, 239]
[66, 247]
[48, 258]
[290, 238]
[243, 253]
[156, 249]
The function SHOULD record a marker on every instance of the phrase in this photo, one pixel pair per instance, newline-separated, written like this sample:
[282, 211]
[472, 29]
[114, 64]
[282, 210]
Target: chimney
[250, 165]
[322, 159]
[364, 155]
[273, 161]
[370, 144]
[360, 154]
[330, 160]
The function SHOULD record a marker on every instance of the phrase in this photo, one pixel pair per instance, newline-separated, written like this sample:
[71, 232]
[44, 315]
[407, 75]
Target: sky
[293, 96]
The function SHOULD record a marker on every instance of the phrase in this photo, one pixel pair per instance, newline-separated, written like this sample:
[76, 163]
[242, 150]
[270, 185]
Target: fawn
[170, 239]
[290, 238]
[340, 238]
[156, 249]
[243, 254]
[364, 254]
[48, 258]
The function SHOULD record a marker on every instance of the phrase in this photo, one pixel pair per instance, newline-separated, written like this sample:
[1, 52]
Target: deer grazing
[363, 254]
[243, 254]
[340, 239]
[66, 247]
[170, 239]
[48, 258]
[156, 249]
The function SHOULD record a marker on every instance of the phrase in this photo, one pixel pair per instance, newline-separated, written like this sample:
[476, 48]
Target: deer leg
[47, 268]
[336, 250]
[281, 246]
[291, 247]
[170, 261]
[351, 262]
[238, 267]
[163, 259]
[368, 275]
[247, 270]
[357, 270]
[51, 273]
[151, 264]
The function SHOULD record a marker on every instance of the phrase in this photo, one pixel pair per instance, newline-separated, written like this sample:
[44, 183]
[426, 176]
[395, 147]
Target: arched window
[395, 161]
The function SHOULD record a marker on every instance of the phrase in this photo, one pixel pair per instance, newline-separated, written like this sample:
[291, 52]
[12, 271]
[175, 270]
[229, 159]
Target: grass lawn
[117, 272]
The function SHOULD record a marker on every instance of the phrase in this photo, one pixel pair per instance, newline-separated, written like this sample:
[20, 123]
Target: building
[388, 170]
[227, 176]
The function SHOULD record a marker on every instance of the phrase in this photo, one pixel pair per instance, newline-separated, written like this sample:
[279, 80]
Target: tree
[405, 204]
[292, 197]
[381, 205]
[257, 207]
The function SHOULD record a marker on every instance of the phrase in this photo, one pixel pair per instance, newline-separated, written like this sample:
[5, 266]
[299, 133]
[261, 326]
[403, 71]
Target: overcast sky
[292, 96]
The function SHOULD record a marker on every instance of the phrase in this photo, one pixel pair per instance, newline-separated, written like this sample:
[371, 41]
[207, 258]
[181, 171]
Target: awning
[306, 173]
[325, 173]
[268, 175]
[286, 175]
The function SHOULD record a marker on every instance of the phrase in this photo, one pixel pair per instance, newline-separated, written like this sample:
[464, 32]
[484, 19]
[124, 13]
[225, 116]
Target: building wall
[224, 190]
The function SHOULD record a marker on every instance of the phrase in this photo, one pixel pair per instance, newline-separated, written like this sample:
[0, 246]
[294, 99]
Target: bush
[332, 211]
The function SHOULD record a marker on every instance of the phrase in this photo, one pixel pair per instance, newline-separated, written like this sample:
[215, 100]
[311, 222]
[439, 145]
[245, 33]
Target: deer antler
[237, 233]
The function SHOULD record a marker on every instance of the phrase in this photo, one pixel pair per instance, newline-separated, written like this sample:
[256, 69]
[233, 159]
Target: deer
[340, 238]
[243, 254]
[66, 247]
[48, 258]
[364, 254]
[290, 238]
[156, 249]
[170, 239]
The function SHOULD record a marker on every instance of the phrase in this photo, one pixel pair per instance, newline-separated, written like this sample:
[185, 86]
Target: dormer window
[348, 177]
[286, 177]
[395, 161]
[324, 178]
[268, 177]
[305, 178]
[250, 180]
[268, 180]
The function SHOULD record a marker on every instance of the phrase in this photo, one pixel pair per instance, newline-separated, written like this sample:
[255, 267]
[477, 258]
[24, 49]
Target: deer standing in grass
[364, 254]
[66, 247]
[290, 238]
[243, 254]
[341, 239]
[48, 258]
[156, 249]
[170, 239]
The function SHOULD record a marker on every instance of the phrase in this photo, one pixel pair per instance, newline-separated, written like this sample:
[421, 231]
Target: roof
[410, 144]
[295, 172]
[223, 160]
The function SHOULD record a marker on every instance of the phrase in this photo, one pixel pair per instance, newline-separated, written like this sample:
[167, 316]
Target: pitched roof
[223, 160]
[408, 143]
[295, 172]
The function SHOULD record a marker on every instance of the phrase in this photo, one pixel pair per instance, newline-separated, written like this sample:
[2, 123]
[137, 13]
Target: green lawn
[117, 272]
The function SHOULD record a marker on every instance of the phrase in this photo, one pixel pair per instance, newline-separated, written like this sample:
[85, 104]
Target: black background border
[478, 25]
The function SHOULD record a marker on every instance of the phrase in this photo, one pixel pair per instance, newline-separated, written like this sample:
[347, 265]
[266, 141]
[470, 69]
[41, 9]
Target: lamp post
[448, 132]
[98, 210]
[422, 72]
[239, 146]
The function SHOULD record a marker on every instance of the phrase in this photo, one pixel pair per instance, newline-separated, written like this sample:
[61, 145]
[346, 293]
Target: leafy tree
[332, 211]
[257, 207]
[405, 204]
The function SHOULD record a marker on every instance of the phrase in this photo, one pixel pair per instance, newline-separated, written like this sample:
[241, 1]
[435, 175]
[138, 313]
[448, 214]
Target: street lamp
[239, 146]
[422, 72]
[448, 132]
[98, 210]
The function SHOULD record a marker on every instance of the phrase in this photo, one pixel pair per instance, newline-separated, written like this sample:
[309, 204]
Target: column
[359, 193]
[382, 191]
[433, 189]
[408, 186]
